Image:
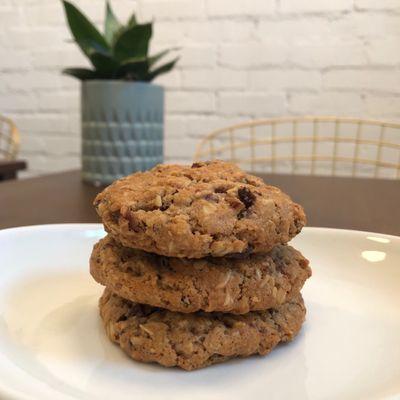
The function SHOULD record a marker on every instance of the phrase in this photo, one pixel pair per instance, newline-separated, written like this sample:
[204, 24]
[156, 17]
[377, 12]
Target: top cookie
[207, 209]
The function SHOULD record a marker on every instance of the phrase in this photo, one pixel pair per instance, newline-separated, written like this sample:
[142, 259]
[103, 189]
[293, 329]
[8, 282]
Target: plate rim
[12, 394]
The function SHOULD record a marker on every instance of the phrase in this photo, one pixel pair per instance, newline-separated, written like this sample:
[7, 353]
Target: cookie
[195, 340]
[239, 285]
[207, 209]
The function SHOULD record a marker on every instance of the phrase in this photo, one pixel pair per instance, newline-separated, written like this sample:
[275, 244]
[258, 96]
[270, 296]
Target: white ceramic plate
[52, 344]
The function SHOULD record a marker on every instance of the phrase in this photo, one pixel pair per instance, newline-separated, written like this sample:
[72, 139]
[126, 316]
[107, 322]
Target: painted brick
[328, 103]
[168, 32]
[172, 80]
[383, 106]
[10, 17]
[220, 31]
[190, 125]
[377, 5]
[306, 28]
[190, 102]
[252, 104]
[200, 125]
[49, 145]
[367, 25]
[384, 51]
[32, 144]
[175, 126]
[37, 37]
[21, 38]
[33, 79]
[68, 82]
[42, 123]
[3, 87]
[325, 55]
[74, 123]
[231, 79]
[253, 55]
[42, 14]
[313, 6]
[12, 60]
[124, 8]
[171, 9]
[17, 102]
[284, 79]
[213, 78]
[198, 56]
[58, 101]
[62, 145]
[58, 59]
[224, 8]
[199, 79]
[181, 148]
[372, 80]
[40, 163]
[54, 36]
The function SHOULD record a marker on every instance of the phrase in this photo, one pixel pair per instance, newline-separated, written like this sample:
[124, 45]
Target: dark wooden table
[363, 204]
[10, 168]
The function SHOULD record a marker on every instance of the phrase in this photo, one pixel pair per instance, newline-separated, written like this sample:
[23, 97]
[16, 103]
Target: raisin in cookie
[196, 340]
[256, 282]
[209, 208]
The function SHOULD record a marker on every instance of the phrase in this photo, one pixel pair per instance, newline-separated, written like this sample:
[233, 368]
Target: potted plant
[122, 112]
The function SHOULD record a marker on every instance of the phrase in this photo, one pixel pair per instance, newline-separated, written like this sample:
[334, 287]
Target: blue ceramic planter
[122, 129]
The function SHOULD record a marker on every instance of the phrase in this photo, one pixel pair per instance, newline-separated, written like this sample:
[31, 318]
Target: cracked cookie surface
[196, 340]
[206, 209]
[235, 285]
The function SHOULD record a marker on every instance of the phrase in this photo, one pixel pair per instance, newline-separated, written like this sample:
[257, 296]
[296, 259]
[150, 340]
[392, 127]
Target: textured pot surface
[122, 128]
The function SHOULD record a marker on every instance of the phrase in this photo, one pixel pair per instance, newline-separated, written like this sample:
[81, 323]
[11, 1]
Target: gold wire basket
[9, 139]
[325, 145]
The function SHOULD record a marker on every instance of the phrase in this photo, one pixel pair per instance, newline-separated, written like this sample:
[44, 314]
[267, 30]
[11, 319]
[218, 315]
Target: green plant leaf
[82, 29]
[134, 69]
[161, 54]
[82, 74]
[157, 57]
[133, 42]
[134, 60]
[122, 53]
[132, 21]
[162, 69]
[93, 46]
[123, 28]
[154, 59]
[103, 63]
[111, 24]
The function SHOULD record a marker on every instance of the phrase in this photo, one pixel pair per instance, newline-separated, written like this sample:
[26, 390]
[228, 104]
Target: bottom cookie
[196, 340]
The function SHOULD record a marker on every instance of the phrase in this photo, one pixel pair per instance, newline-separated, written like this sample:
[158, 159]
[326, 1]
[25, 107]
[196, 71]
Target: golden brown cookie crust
[192, 341]
[209, 208]
[236, 285]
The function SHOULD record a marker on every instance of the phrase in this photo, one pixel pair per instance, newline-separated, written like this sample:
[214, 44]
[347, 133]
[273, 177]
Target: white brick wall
[240, 60]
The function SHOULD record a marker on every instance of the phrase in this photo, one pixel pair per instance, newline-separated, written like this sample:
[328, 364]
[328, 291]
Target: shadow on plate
[51, 325]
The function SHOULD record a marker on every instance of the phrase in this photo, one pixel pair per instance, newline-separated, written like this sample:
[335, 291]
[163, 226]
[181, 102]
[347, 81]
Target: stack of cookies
[196, 265]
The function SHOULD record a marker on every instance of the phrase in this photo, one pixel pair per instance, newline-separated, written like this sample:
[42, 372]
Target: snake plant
[122, 52]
